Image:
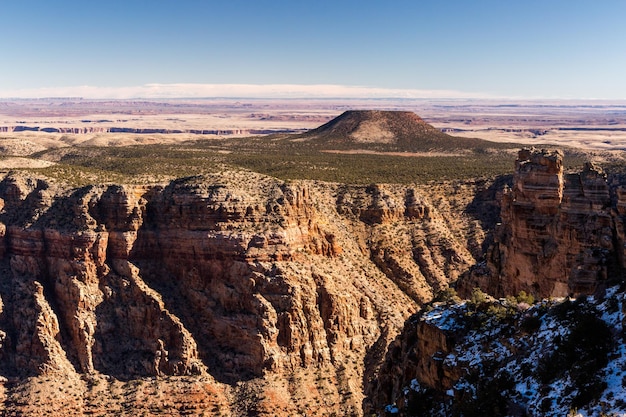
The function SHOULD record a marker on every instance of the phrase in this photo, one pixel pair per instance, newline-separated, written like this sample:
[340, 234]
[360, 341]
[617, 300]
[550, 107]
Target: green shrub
[448, 295]
[477, 299]
[522, 297]
[491, 397]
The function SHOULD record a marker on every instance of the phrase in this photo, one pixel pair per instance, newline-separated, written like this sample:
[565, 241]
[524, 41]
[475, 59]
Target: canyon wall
[281, 297]
[560, 233]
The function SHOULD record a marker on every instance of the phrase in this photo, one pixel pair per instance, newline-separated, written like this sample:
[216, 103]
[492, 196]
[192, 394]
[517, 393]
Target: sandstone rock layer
[264, 298]
[560, 234]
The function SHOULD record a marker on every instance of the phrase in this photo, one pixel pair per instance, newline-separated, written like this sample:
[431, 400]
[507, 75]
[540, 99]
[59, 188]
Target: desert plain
[29, 126]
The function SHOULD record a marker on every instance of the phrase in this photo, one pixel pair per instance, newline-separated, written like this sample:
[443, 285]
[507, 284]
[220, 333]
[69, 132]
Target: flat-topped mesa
[383, 129]
[557, 232]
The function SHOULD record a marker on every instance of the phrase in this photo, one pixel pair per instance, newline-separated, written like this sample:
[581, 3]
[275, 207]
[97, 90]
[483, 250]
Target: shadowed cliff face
[559, 235]
[236, 277]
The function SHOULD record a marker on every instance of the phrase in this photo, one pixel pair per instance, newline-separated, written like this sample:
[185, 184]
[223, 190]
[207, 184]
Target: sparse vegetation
[419, 153]
[300, 161]
[491, 397]
[447, 295]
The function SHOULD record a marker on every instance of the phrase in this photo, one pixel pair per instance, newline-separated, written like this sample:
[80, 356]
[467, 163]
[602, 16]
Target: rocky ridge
[262, 297]
[560, 235]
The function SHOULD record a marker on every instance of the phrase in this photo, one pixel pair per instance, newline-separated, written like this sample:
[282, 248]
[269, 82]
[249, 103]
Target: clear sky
[526, 49]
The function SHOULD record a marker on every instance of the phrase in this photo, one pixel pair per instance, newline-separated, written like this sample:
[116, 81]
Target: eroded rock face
[239, 277]
[560, 233]
[418, 353]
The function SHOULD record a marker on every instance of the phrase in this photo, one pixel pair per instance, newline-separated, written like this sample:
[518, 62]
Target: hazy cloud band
[163, 91]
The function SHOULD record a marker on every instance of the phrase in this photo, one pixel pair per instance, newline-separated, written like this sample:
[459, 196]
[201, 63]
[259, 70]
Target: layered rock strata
[259, 288]
[560, 234]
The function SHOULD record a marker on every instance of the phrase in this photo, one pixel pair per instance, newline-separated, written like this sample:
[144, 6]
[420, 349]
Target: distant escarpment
[276, 298]
[139, 130]
[397, 130]
[560, 234]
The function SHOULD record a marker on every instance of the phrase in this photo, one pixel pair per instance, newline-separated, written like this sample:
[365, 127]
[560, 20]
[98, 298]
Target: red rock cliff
[287, 291]
[561, 234]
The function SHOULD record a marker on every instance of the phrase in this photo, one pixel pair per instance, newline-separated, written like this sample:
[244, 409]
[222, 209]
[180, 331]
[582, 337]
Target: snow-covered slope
[557, 357]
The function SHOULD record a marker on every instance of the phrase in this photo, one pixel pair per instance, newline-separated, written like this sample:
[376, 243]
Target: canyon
[560, 238]
[238, 282]
[231, 292]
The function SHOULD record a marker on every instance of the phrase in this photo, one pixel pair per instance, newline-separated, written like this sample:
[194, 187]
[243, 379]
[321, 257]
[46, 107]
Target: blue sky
[527, 49]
